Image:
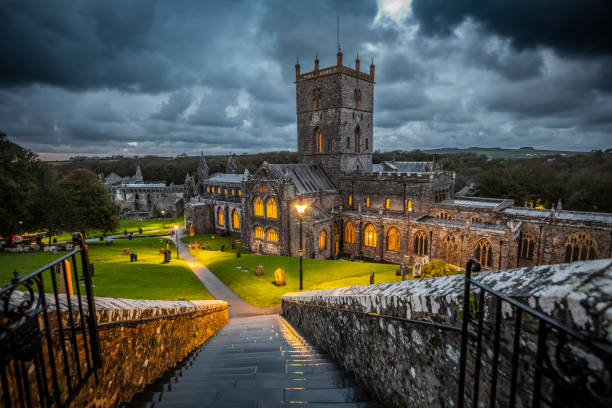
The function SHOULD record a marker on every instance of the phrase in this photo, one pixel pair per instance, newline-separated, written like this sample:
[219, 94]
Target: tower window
[263, 188]
[350, 200]
[368, 202]
[348, 142]
[357, 130]
[366, 144]
[316, 98]
[318, 140]
[387, 203]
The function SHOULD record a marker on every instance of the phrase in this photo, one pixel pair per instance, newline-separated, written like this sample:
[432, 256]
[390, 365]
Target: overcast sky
[167, 77]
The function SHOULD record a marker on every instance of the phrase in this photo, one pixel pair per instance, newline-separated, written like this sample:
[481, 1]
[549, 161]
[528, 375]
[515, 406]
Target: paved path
[257, 362]
[238, 307]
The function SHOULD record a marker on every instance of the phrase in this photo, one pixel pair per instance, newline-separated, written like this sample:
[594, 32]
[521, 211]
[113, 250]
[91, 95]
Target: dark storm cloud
[567, 26]
[161, 77]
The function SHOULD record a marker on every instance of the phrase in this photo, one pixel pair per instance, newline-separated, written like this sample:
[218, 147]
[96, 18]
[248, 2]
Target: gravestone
[133, 257]
[238, 254]
[259, 270]
[140, 230]
[279, 277]
[416, 270]
[126, 251]
[213, 237]
[233, 244]
[199, 244]
[222, 247]
[167, 255]
[55, 240]
[372, 277]
[130, 237]
[398, 272]
[161, 251]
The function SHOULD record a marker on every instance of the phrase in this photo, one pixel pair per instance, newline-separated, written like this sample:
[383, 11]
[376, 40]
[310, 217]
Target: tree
[88, 205]
[20, 183]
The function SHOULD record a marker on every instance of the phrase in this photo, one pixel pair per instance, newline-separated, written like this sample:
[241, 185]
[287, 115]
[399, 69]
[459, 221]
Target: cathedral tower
[335, 108]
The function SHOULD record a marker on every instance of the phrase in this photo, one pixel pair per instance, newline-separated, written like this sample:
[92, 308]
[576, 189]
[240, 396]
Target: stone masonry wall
[416, 365]
[139, 340]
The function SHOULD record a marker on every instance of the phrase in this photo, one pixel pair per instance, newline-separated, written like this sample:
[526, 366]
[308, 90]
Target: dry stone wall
[416, 363]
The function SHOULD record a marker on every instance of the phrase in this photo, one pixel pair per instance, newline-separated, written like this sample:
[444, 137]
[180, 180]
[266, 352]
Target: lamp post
[176, 239]
[300, 209]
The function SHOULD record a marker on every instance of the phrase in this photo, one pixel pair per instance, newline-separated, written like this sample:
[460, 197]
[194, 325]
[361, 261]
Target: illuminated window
[218, 190]
[350, 199]
[475, 219]
[208, 189]
[357, 130]
[258, 206]
[272, 235]
[527, 245]
[444, 215]
[580, 247]
[368, 202]
[420, 243]
[220, 220]
[370, 235]
[235, 219]
[271, 209]
[225, 191]
[387, 203]
[350, 233]
[263, 188]
[233, 192]
[322, 240]
[318, 140]
[259, 232]
[483, 252]
[451, 249]
[409, 205]
[393, 239]
[239, 192]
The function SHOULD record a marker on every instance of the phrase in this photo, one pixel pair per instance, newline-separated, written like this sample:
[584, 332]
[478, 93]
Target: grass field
[239, 273]
[116, 276]
[131, 226]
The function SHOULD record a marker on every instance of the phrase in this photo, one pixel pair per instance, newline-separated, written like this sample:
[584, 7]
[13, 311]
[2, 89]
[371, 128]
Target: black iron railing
[513, 355]
[49, 346]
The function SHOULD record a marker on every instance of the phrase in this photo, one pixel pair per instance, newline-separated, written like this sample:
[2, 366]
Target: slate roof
[409, 167]
[488, 203]
[307, 178]
[225, 178]
[458, 223]
[562, 214]
[140, 185]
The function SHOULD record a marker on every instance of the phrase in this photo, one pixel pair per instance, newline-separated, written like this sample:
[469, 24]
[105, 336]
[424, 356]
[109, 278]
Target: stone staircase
[256, 362]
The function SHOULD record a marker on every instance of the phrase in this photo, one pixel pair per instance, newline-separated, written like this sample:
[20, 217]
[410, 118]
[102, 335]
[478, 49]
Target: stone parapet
[410, 356]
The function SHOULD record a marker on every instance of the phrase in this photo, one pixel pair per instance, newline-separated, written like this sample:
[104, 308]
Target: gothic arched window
[451, 249]
[259, 232]
[258, 206]
[318, 140]
[350, 233]
[235, 219]
[357, 131]
[316, 98]
[444, 215]
[580, 247]
[483, 252]
[271, 208]
[220, 219]
[356, 97]
[420, 243]
[393, 239]
[322, 240]
[272, 235]
[476, 219]
[527, 245]
[370, 236]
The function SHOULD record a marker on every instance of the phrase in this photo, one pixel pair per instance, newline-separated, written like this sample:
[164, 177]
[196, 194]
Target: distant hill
[501, 153]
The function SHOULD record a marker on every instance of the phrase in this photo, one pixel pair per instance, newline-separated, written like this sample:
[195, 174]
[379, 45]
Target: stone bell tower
[335, 109]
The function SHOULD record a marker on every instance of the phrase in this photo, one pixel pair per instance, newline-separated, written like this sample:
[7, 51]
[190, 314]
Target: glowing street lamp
[176, 239]
[301, 208]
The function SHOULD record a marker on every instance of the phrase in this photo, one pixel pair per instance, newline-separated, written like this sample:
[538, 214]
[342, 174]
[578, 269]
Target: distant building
[138, 199]
[393, 211]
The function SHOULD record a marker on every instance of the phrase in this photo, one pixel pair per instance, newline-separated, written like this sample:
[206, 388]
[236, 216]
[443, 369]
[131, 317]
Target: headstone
[133, 257]
[213, 237]
[130, 237]
[416, 270]
[161, 251]
[55, 240]
[222, 247]
[398, 272]
[279, 277]
[124, 231]
[259, 270]
[126, 251]
[233, 244]
[140, 230]
[372, 277]
[101, 238]
[199, 244]
[405, 273]
[167, 255]
[238, 254]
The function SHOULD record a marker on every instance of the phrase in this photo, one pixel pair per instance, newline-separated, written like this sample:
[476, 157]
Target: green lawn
[262, 291]
[132, 226]
[116, 276]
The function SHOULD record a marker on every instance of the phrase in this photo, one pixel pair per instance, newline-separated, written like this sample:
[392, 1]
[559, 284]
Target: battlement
[339, 68]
